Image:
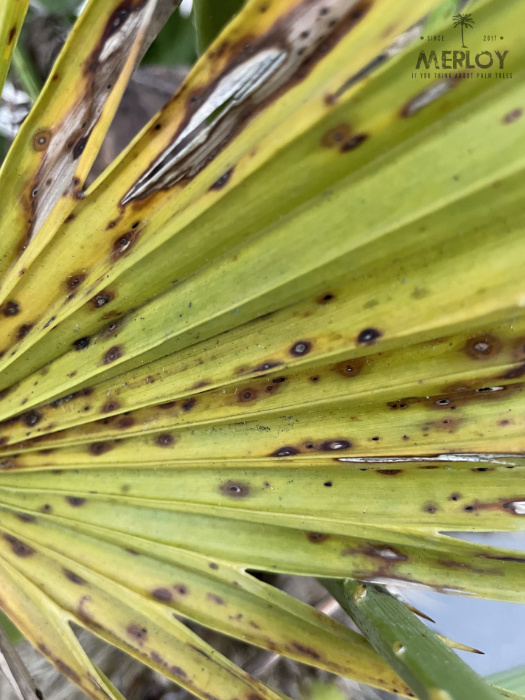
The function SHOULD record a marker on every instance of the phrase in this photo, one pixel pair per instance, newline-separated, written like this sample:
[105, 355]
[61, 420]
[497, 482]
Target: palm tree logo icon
[465, 22]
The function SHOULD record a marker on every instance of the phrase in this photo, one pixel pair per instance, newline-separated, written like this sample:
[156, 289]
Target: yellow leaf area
[12, 13]
[284, 332]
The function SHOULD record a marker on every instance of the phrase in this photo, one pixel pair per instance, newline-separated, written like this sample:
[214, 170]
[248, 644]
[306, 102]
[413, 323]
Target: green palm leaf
[283, 332]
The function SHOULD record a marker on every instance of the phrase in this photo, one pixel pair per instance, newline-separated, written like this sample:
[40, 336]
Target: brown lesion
[483, 346]
[317, 537]
[300, 61]
[19, 548]
[235, 489]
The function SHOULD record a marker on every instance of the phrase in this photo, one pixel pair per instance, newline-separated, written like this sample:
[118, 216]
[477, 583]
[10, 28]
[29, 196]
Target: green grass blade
[431, 669]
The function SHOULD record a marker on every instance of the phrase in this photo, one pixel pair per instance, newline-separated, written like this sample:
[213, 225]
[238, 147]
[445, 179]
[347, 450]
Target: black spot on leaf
[32, 418]
[11, 308]
[81, 343]
[368, 336]
[353, 143]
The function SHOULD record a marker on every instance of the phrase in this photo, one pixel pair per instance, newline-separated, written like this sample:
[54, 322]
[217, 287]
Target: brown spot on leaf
[41, 139]
[74, 578]
[75, 501]
[98, 448]
[317, 537]
[483, 346]
[123, 244]
[286, 451]
[350, 368]
[325, 298]
[140, 634]
[23, 330]
[498, 557]
[164, 440]
[21, 549]
[389, 472]
[246, 395]
[301, 347]
[336, 444]
[353, 143]
[265, 366]
[113, 354]
[75, 280]
[125, 422]
[306, 651]
[178, 671]
[515, 372]
[430, 507]
[512, 116]
[101, 299]
[12, 33]
[32, 418]
[164, 595]
[200, 385]
[110, 406]
[235, 489]
[68, 671]
[215, 599]
[188, 404]
[336, 136]
[81, 343]
[11, 308]
[223, 180]
[26, 517]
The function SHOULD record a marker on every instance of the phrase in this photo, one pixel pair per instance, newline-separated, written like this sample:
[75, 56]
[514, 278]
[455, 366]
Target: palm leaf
[283, 332]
